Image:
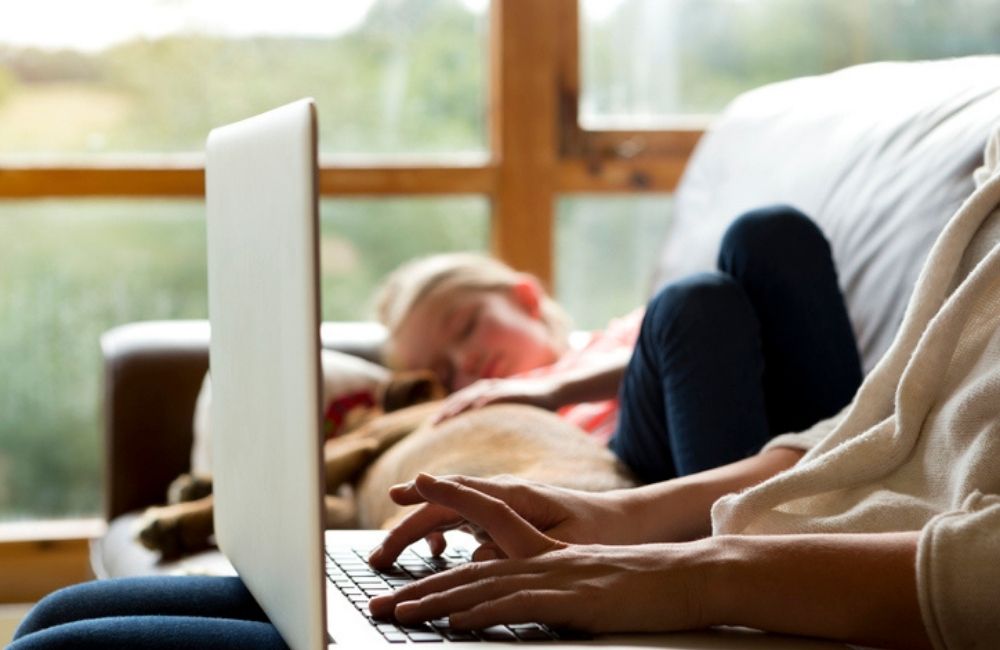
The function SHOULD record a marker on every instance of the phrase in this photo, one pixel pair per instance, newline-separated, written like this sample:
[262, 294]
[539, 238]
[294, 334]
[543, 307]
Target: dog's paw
[159, 531]
[411, 387]
[188, 487]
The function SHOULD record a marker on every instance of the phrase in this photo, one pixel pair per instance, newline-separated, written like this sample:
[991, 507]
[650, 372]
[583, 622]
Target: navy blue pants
[149, 612]
[726, 360]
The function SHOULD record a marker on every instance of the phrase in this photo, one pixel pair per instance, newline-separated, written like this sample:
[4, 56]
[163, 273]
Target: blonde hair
[446, 274]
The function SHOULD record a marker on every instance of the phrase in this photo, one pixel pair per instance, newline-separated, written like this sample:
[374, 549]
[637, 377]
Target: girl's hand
[535, 391]
[559, 513]
[593, 588]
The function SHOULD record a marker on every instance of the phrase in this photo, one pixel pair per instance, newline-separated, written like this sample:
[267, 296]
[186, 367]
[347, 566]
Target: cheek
[522, 337]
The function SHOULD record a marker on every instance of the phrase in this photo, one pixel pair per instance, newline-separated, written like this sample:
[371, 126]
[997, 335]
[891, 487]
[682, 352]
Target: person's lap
[149, 612]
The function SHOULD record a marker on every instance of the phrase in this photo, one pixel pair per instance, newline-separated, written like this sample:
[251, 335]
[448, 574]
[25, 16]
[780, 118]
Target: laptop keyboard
[348, 570]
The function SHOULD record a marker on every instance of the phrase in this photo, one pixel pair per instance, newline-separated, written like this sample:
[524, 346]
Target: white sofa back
[879, 155]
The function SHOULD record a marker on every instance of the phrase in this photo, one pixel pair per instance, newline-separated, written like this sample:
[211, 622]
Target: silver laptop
[263, 291]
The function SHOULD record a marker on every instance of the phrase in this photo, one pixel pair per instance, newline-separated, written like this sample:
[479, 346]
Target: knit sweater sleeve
[958, 577]
[806, 440]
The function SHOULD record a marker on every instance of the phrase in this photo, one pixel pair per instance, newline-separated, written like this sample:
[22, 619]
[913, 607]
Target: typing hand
[545, 580]
[562, 514]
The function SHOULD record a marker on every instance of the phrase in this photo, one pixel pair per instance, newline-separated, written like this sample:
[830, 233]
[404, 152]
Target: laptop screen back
[264, 356]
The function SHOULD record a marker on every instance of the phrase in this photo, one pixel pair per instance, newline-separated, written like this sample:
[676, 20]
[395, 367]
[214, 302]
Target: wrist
[722, 586]
[809, 585]
[559, 393]
[618, 518]
[676, 510]
[705, 570]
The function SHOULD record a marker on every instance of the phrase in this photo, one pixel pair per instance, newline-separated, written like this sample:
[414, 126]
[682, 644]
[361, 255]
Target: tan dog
[392, 448]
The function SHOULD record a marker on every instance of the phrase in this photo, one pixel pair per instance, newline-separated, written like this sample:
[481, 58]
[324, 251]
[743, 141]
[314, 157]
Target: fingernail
[405, 611]
[427, 477]
[378, 603]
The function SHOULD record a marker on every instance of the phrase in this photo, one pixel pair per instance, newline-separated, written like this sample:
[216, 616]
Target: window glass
[645, 60]
[389, 76]
[71, 269]
[606, 248]
[364, 239]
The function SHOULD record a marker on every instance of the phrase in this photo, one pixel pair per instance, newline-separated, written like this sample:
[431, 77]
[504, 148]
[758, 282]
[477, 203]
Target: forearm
[599, 380]
[680, 509]
[859, 588]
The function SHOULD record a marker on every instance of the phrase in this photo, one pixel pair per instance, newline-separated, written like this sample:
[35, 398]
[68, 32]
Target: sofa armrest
[152, 374]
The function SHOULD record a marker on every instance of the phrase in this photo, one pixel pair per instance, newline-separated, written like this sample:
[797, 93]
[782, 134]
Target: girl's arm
[599, 380]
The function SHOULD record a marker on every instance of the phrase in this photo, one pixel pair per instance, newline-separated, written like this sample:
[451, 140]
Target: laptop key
[356, 573]
[419, 627]
[395, 571]
[532, 634]
[395, 637]
[496, 633]
[393, 582]
[424, 637]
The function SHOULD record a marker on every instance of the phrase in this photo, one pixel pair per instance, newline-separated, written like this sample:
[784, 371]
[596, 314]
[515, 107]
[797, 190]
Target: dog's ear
[411, 387]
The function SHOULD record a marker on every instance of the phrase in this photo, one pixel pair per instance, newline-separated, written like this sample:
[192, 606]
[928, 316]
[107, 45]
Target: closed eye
[469, 325]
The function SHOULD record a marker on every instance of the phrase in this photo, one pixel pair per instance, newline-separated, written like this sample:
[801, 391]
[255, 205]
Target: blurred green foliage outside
[410, 81]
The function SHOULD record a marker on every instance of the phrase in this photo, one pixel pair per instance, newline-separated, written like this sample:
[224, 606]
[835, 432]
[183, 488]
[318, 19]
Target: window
[651, 72]
[644, 62]
[389, 77]
[529, 128]
[75, 268]
[606, 248]
[136, 95]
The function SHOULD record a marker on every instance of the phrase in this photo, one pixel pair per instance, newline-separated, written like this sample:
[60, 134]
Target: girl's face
[474, 334]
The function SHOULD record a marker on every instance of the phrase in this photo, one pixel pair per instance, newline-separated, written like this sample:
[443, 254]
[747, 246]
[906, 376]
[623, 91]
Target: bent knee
[774, 229]
[696, 299]
[56, 608]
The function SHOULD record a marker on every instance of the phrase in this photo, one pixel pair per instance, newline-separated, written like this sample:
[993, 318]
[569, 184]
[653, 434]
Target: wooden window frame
[538, 151]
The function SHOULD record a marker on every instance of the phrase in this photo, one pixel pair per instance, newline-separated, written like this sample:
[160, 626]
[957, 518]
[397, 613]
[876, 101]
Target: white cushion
[879, 155]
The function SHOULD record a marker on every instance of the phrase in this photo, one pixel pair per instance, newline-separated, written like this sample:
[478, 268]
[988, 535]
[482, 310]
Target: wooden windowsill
[48, 530]
[38, 557]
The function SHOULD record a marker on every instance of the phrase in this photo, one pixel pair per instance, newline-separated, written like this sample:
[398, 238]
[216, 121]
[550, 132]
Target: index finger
[511, 532]
[418, 524]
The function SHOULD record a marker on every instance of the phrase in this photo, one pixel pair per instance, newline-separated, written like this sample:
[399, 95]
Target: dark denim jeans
[149, 612]
[727, 360]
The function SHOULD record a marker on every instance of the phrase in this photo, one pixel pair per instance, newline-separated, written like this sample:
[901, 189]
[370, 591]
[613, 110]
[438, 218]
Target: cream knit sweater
[919, 447]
